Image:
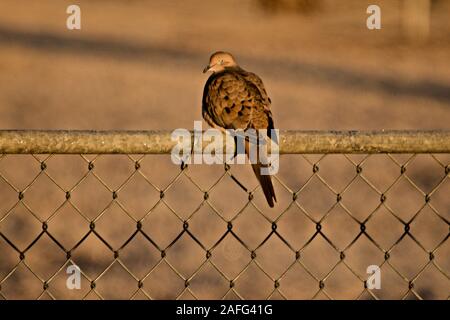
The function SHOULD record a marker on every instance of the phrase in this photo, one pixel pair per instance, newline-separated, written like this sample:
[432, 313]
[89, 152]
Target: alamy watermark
[374, 280]
[373, 22]
[227, 147]
[73, 21]
[74, 279]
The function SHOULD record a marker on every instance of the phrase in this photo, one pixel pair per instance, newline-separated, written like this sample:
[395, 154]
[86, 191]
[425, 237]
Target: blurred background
[138, 65]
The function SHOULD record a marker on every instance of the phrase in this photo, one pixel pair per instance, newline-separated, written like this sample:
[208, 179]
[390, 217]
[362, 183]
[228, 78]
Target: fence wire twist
[296, 274]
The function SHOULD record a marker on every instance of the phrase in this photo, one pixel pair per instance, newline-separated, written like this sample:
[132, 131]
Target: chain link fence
[140, 227]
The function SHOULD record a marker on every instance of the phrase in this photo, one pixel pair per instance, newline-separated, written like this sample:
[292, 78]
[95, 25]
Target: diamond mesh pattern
[142, 228]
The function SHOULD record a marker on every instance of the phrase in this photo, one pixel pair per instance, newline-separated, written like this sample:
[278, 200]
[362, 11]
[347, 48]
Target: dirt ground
[138, 65]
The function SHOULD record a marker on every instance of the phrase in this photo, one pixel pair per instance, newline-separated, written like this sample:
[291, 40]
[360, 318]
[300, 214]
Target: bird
[234, 98]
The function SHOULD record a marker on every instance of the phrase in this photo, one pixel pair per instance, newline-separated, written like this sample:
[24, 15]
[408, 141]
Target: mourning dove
[236, 99]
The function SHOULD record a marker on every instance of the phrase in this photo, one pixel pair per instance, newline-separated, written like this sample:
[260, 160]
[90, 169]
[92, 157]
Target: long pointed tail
[264, 180]
[266, 184]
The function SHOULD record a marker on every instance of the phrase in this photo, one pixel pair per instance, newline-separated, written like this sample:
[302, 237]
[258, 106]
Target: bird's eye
[221, 61]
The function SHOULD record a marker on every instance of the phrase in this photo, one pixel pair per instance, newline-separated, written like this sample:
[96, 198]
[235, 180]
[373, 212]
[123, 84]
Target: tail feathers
[266, 185]
[264, 180]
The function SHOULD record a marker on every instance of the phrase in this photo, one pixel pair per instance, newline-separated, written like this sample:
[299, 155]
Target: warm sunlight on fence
[139, 227]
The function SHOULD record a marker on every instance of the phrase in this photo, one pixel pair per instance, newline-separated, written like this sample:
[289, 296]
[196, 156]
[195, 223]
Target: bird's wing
[257, 81]
[232, 102]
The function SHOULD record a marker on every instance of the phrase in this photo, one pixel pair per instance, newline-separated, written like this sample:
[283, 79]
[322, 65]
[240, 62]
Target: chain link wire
[308, 247]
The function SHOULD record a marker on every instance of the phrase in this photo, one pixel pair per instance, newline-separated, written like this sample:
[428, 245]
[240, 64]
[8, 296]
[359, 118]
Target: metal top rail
[160, 142]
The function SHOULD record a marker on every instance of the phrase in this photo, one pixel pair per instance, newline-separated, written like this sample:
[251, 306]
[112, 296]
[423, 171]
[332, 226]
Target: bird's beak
[208, 68]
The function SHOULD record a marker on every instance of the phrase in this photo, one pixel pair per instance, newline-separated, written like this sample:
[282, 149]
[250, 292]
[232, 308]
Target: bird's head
[219, 61]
